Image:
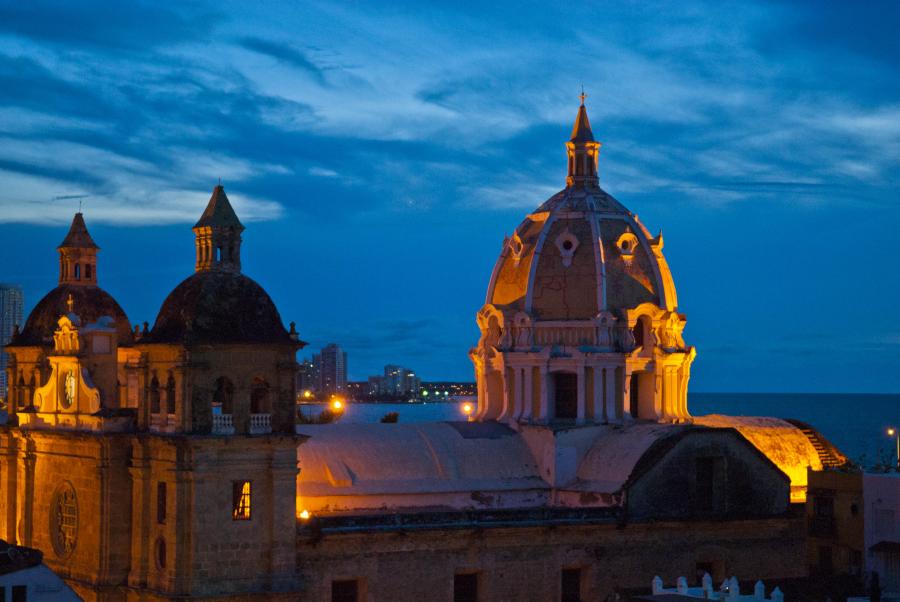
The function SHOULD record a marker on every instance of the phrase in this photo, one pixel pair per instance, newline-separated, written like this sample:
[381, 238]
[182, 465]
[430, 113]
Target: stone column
[528, 390]
[597, 396]
[610, 394]
[544, 411]
[579, 417]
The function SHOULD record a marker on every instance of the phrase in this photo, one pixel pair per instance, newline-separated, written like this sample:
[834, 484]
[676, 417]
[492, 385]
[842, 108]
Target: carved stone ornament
[64, 520]
[567, 244]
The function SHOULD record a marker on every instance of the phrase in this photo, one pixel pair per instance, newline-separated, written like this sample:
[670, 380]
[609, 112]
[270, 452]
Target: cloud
[286, 54]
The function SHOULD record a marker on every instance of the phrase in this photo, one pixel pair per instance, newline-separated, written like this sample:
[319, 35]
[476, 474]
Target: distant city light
[891, 432]
[304, 515]
[337, 405]
[307, 394]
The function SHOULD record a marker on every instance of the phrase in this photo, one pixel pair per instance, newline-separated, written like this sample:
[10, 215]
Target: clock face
[68, 397]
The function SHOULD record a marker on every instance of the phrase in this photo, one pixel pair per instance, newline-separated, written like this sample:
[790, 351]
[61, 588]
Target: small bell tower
[218, 236]
[78, 255]
[583, 151]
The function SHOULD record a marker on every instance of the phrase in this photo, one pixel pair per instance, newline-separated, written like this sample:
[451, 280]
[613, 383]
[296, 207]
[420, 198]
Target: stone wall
[525, 563]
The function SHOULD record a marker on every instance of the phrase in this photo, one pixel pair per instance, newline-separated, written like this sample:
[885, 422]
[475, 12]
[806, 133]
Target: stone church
[165, 462]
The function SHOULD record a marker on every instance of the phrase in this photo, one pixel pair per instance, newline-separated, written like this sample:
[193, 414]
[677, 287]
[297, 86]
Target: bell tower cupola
[583, 151]
[78, 255]
[218, 236]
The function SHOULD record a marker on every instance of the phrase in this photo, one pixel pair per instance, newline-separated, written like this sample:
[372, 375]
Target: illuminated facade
[164, 463]
[581, 320]
[156, 462]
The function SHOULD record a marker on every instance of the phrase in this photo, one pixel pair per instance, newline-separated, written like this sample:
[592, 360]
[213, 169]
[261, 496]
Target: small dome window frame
[627, 244]
[567, 243]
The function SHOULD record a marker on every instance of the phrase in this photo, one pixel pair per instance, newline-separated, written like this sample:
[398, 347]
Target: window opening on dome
[240, 500]
[154, 395]
[565, 395]
[87, 271]
[259, 397]
[170, 394]
[223, 397]
[633, 395]
[77, 271]
[567, 245]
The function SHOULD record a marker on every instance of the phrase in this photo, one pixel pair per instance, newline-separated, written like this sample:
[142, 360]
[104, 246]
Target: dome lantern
[582, 150]
[78, 255]
[218, 236]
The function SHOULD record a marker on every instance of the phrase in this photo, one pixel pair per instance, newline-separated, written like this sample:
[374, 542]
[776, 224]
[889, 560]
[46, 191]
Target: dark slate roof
[218, 307]
[89, 302]
[78, 235]
[14, 558]
[581, 132]
[218, 212]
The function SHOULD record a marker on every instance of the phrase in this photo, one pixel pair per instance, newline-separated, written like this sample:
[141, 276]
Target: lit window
[240, 507]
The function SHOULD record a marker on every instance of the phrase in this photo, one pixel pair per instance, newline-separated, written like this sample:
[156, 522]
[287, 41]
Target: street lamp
[467, 409]
[892, 432]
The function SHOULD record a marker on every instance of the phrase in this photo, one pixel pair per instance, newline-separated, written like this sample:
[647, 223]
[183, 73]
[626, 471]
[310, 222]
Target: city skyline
[765, 148]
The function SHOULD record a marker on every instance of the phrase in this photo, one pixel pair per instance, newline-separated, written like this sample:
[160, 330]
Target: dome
[580, 253]
[218, 307]
[581, 321]
[89, 302]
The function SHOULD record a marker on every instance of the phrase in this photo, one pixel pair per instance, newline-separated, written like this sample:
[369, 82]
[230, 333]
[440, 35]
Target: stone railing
[160, 422]
[223, 424]
[260, 424]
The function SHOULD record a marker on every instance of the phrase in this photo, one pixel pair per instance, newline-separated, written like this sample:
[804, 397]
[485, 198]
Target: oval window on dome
[627, 245]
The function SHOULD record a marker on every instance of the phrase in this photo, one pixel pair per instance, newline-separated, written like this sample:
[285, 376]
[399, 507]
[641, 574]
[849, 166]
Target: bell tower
[583, 151]
[78, 255]
[218, 236]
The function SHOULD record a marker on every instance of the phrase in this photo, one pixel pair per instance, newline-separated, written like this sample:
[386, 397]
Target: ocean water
[856, 424]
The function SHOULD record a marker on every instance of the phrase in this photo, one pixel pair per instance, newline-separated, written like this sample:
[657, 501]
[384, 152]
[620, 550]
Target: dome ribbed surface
[89, 302]
[218, 307]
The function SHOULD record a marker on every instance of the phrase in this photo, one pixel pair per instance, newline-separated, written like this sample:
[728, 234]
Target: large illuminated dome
[581, 317]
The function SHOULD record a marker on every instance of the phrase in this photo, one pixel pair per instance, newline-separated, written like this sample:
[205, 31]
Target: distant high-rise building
[11, 308]
[332, 369]
[397, 380]
[308, 375]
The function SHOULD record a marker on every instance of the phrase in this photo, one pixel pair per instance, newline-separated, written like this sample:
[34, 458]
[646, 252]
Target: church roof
[581, 131]
[90, 303]
[218, 307]
[219, 212]
[78, 235]
[581, 252]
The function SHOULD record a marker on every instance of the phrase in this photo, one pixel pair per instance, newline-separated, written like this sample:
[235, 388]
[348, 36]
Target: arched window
[218, 254]
[224, 395]
[170, 394]
[77, 271]
[259, 397]
[20, 394]
[87, 271]
[154, 395]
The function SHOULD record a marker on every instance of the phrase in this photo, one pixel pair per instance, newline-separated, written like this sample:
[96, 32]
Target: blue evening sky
[378, 156]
